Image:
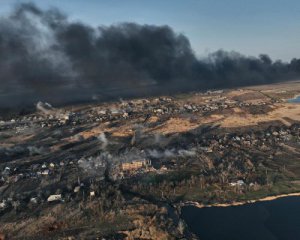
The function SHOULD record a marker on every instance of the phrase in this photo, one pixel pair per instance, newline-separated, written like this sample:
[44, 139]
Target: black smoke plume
[45, 56]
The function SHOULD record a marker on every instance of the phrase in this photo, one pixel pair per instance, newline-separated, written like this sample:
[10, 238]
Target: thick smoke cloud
[45, 56]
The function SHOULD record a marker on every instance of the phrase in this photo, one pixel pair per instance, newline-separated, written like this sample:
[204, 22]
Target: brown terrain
[66, 173]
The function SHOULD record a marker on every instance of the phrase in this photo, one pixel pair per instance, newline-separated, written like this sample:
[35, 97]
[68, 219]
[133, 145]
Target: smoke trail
[45, 108]
[103, 140]
[44, 56]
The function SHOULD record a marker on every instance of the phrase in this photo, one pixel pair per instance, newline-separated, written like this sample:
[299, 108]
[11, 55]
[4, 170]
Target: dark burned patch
[54, 229]
[115, 124]
[21, 187]
[55, 226]
[71, 145]
[4, 136]
[117, 236]
[258, 109]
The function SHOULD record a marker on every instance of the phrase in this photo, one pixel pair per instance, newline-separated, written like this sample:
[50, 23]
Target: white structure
[53, 198]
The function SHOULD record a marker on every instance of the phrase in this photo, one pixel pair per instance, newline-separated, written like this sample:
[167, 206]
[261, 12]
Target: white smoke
[50, 111]
[170, 153]
[33, 150]
[103, 140]
[45, 108]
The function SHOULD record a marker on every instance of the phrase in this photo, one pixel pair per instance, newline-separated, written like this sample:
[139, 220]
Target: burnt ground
[120, 170]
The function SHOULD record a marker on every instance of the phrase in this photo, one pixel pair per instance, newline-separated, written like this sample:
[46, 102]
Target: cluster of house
[16, 202]
[253, 138]
[11, 176]
[208, 145]
[14, 174]
[125, 110]
[158, 106]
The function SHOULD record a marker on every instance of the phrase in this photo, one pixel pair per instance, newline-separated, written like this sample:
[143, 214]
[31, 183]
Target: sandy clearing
[280, 112]
[265, 199]
[175, 125]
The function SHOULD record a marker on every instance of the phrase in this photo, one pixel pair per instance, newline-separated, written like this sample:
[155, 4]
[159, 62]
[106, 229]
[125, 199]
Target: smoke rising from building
[45, 56]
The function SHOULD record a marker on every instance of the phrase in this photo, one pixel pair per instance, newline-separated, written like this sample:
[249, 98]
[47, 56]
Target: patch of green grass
[213, 194]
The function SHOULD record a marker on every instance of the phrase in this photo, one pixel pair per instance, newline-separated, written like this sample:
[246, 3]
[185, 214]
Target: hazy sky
[247, 26]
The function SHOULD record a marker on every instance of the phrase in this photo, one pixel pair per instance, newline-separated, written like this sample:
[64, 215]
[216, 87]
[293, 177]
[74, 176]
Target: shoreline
[290, 100]
[240, 203]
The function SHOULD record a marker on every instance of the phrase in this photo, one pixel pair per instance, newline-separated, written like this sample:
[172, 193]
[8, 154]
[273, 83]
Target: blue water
[294, 100]
[272, 220]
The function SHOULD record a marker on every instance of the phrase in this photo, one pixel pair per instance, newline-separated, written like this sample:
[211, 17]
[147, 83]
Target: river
[270, 220]
[294, 100]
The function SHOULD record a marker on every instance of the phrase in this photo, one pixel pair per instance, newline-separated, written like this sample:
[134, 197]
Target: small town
[139, 149]
[149, 120]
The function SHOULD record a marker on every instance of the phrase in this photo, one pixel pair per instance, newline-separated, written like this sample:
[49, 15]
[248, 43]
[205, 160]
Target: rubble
[134, 165]
[237, 183]
[76, 189]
